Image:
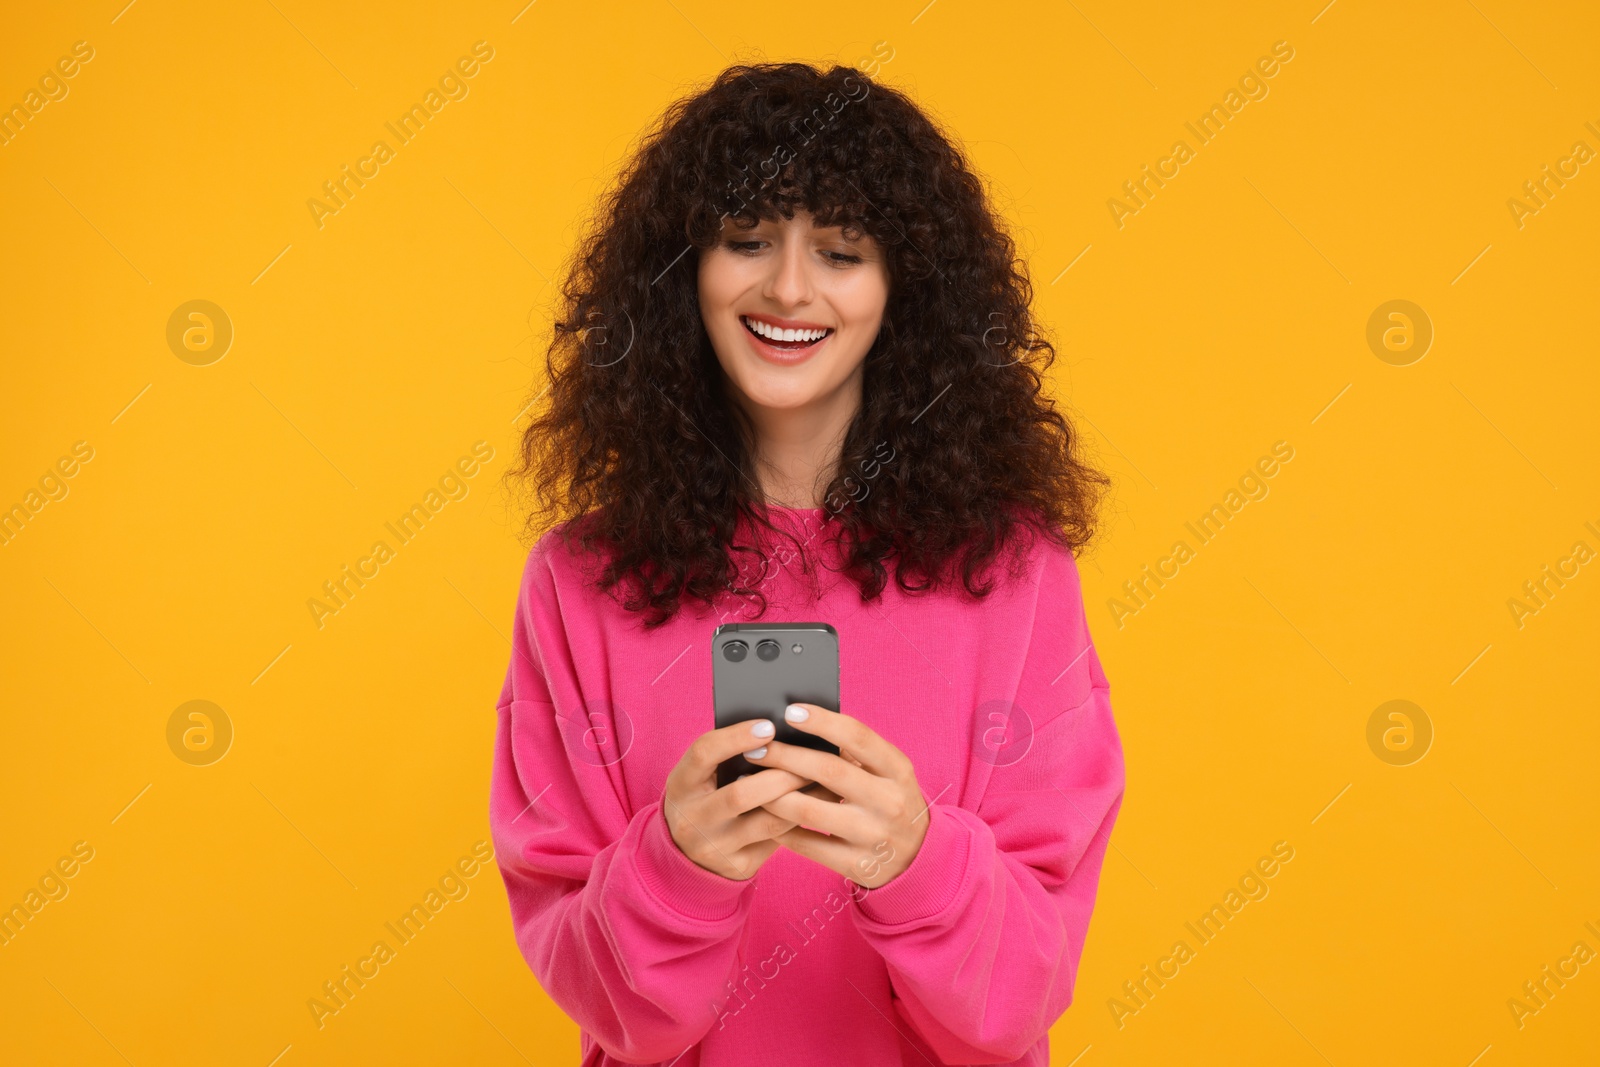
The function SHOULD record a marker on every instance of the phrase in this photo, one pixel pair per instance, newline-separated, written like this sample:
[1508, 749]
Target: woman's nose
[790, 281]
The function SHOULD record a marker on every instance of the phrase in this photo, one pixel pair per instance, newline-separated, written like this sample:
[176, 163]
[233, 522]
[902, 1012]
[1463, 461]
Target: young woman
[795, 361]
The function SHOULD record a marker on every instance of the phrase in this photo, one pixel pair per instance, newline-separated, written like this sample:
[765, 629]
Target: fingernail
[763, 728]
[796, 713]
[756, 753]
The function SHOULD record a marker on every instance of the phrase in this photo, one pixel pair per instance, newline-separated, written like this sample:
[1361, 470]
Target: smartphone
[757, 668]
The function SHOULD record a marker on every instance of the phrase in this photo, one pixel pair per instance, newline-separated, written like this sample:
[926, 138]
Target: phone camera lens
[767, 650]
[735, 651]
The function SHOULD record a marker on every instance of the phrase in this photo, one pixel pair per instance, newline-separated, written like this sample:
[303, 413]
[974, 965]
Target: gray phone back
[758, 667]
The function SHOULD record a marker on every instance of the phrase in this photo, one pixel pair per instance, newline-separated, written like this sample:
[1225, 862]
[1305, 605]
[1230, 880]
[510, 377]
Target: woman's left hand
[870, 804]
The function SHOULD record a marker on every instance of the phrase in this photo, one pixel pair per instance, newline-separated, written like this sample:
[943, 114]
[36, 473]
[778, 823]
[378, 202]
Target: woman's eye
[745, 247]
[842, 258]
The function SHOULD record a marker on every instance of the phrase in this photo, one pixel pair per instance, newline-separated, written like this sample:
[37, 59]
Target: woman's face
[791, 279]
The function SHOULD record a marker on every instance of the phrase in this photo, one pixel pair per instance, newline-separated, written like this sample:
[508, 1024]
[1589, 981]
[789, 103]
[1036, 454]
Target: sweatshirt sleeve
[630, 937]
[982, 933]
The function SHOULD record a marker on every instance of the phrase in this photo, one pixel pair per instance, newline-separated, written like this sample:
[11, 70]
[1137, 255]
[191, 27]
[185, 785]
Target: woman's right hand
[726, 830]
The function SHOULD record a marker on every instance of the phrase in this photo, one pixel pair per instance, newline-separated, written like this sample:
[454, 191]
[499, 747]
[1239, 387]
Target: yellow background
[369, 354]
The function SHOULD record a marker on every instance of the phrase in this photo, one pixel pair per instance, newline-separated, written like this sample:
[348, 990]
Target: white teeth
[776, 334]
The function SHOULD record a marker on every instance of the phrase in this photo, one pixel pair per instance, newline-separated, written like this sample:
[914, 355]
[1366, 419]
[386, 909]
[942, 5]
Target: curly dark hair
[641, 457]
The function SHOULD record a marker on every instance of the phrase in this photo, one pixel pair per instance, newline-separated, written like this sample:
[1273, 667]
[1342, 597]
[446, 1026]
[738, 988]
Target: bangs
[779, 199]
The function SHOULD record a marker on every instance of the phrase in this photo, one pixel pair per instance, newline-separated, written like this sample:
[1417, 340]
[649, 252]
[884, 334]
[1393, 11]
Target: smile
[784, 339]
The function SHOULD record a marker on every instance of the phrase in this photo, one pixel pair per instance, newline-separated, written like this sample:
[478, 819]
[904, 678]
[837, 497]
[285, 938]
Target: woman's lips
[786, 353]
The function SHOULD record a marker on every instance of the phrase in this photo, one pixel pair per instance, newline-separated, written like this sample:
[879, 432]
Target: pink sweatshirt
[968, 956]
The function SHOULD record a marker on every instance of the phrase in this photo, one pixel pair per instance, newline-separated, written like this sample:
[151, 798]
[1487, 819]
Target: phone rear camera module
[735, 651]
[768, 650]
